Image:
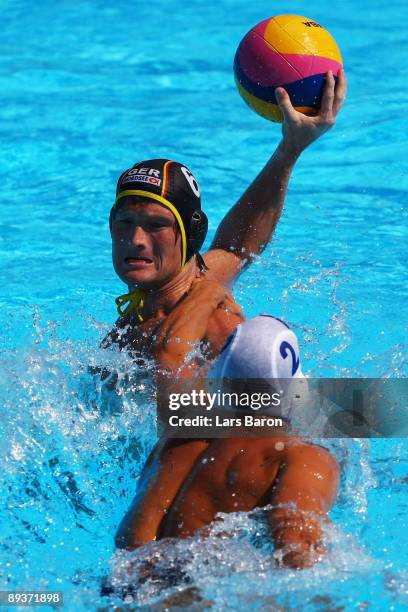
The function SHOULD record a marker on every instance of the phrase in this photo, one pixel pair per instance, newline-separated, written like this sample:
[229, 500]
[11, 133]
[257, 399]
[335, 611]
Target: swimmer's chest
[140, 338]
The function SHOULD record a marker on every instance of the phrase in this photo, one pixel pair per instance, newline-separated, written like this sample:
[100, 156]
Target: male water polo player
[158, 228]
[186, 483]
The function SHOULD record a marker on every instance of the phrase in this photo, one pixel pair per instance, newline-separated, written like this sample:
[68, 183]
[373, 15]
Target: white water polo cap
[265, 349]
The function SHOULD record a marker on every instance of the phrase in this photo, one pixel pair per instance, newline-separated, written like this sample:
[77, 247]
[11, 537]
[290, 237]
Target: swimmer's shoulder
[300, 453]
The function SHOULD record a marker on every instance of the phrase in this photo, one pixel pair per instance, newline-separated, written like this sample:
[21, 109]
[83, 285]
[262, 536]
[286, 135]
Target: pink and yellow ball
[290, 51]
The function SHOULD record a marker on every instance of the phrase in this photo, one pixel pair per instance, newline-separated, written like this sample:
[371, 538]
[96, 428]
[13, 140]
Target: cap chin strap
[135, 301]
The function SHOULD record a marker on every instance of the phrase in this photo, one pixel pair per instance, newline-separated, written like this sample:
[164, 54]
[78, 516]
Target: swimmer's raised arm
[249, 225]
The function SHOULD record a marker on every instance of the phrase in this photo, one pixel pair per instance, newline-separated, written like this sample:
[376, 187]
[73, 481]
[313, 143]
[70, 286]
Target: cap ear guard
[196, 232]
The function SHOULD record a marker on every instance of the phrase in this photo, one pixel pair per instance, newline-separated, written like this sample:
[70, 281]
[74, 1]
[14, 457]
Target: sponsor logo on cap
[141, 178]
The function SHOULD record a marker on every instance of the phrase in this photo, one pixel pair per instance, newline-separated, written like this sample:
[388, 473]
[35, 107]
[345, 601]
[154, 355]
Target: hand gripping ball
[287, 51]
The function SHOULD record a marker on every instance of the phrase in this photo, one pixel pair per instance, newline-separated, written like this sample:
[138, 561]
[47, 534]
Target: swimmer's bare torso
[185, 483]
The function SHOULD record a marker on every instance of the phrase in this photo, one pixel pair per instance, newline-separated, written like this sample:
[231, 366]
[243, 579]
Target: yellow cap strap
[136, 301]
[170, 206]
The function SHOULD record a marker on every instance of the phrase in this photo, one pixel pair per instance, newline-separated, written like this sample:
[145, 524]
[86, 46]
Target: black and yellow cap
[173, 185]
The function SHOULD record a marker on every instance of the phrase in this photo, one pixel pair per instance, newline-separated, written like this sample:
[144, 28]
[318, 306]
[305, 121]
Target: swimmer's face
[146, 246]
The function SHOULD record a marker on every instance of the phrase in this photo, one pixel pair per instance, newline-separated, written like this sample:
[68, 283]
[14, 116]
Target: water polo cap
[173, 185]
[264, 350]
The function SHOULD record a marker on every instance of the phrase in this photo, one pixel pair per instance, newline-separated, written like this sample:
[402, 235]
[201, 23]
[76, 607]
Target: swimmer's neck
[160, 301]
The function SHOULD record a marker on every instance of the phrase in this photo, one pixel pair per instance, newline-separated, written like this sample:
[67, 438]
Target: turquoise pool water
[88, 89]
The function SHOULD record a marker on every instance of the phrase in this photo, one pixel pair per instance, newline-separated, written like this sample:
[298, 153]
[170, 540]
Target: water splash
[71, 458]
